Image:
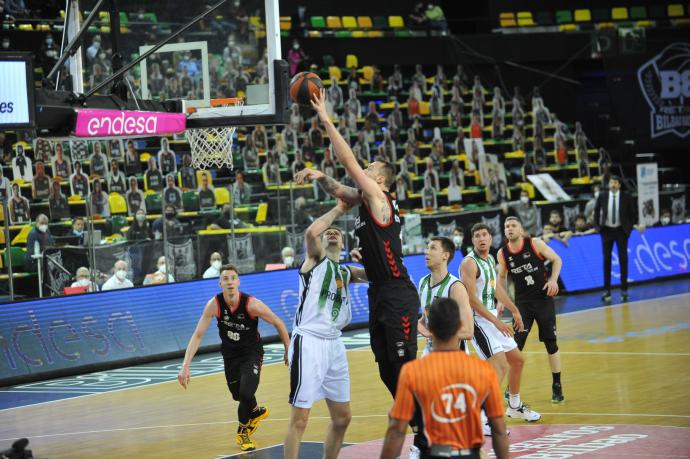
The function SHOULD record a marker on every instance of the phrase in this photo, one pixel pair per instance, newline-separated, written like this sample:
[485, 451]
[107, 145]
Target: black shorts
[393, 314]
[544, 313]
[243, 370]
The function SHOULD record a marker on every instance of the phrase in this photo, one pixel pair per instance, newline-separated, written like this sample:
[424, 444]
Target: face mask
[42, 228]
[169, 215]
[49, 41]
[524, 199]
[78, 232]
[665, 220]
[162, 268]
[83, 282]
[288, 260]
[457, 240]
[295, 47]
[121, 274]
[216, 264]
[141, 218]
[596, 194]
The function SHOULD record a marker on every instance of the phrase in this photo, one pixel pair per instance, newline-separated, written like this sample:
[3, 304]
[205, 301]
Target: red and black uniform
[242, 351]
[393, 299]
[526, 269]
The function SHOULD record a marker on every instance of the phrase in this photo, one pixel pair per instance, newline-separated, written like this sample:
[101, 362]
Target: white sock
[485, 420]
[514, 401]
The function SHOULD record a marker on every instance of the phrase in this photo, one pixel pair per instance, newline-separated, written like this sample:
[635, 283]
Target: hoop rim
[219, 103]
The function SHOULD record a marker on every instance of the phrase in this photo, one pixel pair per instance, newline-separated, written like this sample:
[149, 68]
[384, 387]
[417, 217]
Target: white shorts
[318, 370]
[488, 340]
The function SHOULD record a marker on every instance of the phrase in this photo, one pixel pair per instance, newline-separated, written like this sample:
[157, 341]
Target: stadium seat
[675, 10]
[154, 203]
[17, 258]
[117, 202]
[351, 61]
[424, 108]
[117, 222]
[358, 34]
[507, 19]
[544, 18]
[285, 23]
[657, 12]
[261, 213]
[396, 22]
[403, 33]
[349, 22]
[364, 22]
[564, 17]
[367, 72]
[583, 15]
[20, 239]
[619, 13]
[222, 195]
[567, 27]
[190, 201]
[524, 19]
[601, 15]
[318, 22]
[374, 33]
[333, 22]
[638, 13]
[380, 22]
[334, 73]
[343, 34]
[314, 34]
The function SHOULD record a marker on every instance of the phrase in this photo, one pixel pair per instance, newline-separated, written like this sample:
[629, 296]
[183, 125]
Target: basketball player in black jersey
[237, 315]
[522, 258]
[393, 299]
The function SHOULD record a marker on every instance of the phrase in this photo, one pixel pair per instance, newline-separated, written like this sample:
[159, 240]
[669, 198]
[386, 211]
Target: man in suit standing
[614, 218]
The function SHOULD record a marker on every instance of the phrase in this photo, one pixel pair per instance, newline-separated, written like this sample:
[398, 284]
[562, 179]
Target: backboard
[230, 53]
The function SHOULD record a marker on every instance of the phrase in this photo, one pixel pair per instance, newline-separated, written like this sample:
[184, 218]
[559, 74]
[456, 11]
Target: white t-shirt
[114, 284]
[211, 272]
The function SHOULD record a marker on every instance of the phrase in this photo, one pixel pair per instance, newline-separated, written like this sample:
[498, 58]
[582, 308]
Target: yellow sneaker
[242, 438]
[258, 415]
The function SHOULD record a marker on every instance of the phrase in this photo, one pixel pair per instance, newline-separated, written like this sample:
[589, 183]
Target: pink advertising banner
[116, 123]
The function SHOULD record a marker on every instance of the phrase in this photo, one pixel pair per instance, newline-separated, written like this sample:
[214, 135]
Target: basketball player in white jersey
[442, 284]
[493, 340]
[318, 364]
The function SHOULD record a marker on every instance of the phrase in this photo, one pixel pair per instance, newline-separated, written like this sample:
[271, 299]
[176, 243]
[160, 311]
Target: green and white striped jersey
[486, 282]
[324, 307]
[428, 292]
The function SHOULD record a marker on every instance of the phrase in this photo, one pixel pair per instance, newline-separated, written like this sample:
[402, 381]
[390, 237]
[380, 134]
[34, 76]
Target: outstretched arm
[343, 151]
[257, 308]
[330, 185]
[209, 312]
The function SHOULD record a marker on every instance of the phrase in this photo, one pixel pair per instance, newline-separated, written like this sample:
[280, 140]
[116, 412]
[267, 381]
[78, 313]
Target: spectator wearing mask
[82, 279]
[172, 224]
[93, 50]
[214, 269]
[458, 239]
[296, 57]
[37, 241]
[78, 229]
[288, 257]
[139, 229]
[119, 278]
[665, 218]
[527, 212]
[161, 275]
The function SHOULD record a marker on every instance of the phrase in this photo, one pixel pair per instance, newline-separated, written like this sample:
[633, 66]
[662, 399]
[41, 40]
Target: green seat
[318, 22]
[343, 34]
[402, 33]
[17, 256]
[118, 222]
[190, 201]
[564, 17]
[124, 21]
[154, 203]
[380, 22]
[638, 13]
[544, 18]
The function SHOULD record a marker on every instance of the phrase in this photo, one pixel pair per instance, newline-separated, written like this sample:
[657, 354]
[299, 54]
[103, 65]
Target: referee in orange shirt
[451, 389]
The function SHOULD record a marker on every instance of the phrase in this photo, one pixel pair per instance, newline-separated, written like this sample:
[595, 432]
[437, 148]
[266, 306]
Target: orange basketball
[303, 86]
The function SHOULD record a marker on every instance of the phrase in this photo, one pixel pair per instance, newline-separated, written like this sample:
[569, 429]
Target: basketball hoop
[212, 147]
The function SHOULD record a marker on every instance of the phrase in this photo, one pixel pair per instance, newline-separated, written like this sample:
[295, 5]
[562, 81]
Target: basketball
[303, 86]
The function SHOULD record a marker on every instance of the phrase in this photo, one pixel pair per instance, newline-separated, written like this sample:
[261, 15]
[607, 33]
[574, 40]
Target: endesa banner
[115, 123]
[40, 336]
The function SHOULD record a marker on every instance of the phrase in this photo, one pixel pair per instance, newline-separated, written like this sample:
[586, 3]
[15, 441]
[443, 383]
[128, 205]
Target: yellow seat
[524, 19]
[367, 73]
[674, 10]
[333, 22]
[374, 33]
[351, 61]
[583, 15]
[396, 22]
[567, 27]
[144, 157]
[619, 13]
[334, 73]
[22, 236]
[261, 213]
[364, 22]
[222, 195]
[507, 19]
[424, 108]
[349, 22]
[314, 34]
[118, 204]
[285, 25]
[358, 34]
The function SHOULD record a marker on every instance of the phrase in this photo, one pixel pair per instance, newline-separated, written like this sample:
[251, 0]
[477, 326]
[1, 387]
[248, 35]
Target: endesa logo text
[110, 123]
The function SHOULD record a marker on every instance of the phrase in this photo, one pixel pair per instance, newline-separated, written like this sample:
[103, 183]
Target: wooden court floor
[623, 364]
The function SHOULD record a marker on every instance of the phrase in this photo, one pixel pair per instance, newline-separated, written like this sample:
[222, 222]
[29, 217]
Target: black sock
[556, 377]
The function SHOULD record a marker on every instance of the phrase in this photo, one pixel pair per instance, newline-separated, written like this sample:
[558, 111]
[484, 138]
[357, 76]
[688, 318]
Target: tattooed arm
[330, 185]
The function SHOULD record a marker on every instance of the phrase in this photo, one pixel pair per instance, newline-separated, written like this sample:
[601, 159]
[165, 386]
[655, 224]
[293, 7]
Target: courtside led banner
[114, 123]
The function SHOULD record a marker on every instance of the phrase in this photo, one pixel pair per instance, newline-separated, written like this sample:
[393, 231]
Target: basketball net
[212, 147]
